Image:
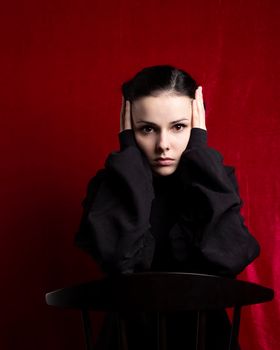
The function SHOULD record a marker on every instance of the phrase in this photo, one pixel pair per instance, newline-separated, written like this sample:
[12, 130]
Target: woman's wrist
[126, 138]
[198, 138]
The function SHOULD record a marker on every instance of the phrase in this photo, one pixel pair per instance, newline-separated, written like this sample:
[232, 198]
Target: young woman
[165, 201]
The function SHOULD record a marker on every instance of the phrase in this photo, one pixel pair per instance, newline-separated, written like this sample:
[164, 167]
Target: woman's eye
[179, 127]
[147, 129]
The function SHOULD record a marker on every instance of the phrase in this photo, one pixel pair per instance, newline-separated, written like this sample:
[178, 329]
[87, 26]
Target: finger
[199, 98]
[195, 118]
[199, 109]
[127, 115]
[122, 115]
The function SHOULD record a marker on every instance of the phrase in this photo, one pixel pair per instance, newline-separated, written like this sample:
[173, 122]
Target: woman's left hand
[198, 111]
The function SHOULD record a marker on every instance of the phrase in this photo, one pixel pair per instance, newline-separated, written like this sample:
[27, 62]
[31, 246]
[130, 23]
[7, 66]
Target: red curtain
[62, 63]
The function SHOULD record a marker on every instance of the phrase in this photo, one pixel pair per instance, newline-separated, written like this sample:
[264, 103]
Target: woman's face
[162, 127]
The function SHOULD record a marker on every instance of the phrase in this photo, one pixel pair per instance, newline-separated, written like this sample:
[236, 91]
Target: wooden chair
[161, 292]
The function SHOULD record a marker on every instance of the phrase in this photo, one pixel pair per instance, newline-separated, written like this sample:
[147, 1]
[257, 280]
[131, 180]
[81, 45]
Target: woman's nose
[162, 142]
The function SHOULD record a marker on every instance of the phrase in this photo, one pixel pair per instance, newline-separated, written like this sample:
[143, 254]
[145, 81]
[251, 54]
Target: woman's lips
[164, 161]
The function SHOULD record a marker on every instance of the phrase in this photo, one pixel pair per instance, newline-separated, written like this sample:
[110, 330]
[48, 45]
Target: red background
[62, 63]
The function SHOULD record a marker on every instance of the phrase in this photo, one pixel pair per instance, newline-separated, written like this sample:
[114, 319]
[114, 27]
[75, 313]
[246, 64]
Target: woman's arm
[115, 227]
[218, 230]
[211, 222]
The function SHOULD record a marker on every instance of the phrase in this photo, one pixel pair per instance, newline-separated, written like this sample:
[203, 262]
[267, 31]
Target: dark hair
[151, 81]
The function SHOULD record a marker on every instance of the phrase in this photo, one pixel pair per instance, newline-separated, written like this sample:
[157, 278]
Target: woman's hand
[125, 115]
[198, 111]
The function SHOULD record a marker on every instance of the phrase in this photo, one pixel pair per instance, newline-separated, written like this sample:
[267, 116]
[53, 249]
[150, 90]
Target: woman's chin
[164, 170]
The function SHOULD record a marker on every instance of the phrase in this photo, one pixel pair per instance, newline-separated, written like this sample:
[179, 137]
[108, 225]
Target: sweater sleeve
[211, 222]
[115, 227]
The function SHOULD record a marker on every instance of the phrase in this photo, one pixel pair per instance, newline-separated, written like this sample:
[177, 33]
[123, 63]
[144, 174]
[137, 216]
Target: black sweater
[188, 221]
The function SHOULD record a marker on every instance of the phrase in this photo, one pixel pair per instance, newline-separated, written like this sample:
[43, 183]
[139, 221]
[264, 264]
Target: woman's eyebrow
[151, 123]
[145, 122]
[180, 120]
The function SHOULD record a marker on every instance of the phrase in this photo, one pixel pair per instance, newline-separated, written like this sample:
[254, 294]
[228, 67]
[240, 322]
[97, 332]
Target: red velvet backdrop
[62, 63]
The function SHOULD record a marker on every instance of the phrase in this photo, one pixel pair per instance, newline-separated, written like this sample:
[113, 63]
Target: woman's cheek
[184, 139]
[141, 142]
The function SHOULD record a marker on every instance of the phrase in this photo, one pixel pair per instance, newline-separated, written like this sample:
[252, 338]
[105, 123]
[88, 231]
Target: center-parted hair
[154, 80]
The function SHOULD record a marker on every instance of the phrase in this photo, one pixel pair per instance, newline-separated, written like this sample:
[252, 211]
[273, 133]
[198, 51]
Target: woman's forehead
[167, 107]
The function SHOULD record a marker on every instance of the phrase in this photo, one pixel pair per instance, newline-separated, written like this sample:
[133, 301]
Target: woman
[165, 201]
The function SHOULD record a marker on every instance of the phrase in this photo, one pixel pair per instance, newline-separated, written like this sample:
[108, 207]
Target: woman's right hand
[125, 115]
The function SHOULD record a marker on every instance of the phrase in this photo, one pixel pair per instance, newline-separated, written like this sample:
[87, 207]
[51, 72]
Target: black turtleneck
[164, 213]
[188, 221]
